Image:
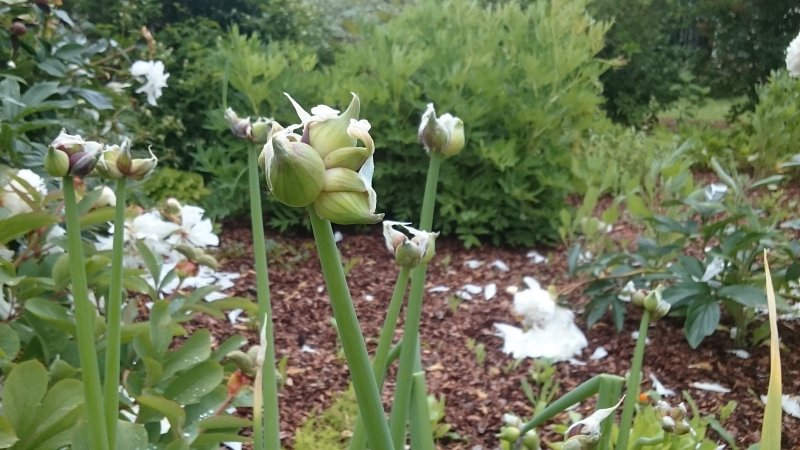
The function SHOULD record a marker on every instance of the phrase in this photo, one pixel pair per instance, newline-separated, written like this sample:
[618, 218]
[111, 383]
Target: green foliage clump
[524, 79]
[325, 432]
[187, 187]
[775, 131]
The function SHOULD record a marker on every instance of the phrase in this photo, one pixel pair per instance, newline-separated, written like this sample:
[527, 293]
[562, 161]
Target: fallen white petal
[635, 336]
[320, 289]
[536, 257]
[512, 290]
[577, 362]
[789, 403]
[500, 265]
[660, 388]
[711, 387]
[531, 283]
[489, 291]
[744, 354]
[308, 349]
[438, 289]
[473, 263]
[465, 295]
[233, 316]
[337, 236]
[368, 297]
[599, 353]
[473, 288]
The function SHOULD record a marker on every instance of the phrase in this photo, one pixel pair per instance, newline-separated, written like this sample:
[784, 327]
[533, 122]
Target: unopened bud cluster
[444, 135]
[674, 419]
[258, 132]
[409, 246]
[652, 302]
[511, 433]
[71, 155]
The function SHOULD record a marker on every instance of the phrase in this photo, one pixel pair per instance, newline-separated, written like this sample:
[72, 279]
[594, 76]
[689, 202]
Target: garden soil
[478, 393]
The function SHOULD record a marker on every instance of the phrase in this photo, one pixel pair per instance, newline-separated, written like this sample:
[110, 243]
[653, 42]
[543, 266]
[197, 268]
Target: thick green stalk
[113, 318]
[634, 379]
[607, 396]
[367, 394]
[409, 352]
[420, 423]
[266, 432]
[379, 362]
[85, 319]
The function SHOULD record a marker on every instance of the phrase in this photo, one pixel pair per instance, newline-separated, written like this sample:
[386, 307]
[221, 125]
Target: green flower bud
[668, 424]
[263, 129]
[651, 301]
[243, 362]
[408, 251]
[328, 131]
[339, 179]
[347, 157]
[296, 172]
[56, 162]
[346, 208]
[638, 298]
[444, 135]
[107, 165]
[208, 261]
[408, 255]
[531, 440]
[509, 434]
[661, 310]
[189, 251]
[124, 158]
[172, 207]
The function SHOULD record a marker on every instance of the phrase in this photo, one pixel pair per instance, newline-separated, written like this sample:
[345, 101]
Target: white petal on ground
[465, 295]
[473, 263]
[437, 289]
[531, 283]
[490, 291]
[576, 362]
[599, 353]
[308, 349]
[635, 336]
[536, 257]
[500, 265]
[790, 404]
[711, 387]
[512, 290]
[660, 388]
[744, 354]
[338, 236]
[369, 297]
[233, 315]
[473, 289]
[550, 329]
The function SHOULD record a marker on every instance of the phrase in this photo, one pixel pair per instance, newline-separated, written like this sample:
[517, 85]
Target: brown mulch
[477, 395]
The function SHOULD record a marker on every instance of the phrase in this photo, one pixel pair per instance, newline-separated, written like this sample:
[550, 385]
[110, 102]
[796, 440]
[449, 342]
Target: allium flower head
[793, 57]
[153, 77]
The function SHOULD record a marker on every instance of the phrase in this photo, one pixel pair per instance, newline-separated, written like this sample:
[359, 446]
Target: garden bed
[477, 392]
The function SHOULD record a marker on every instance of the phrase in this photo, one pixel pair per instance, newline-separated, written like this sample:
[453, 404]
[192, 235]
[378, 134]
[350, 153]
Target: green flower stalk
[364, 382]
[85, 318]
[114, 317]
[634, 379]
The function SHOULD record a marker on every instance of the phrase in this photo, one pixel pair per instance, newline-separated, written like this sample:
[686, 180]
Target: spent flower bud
[242, 128]
[443, 135]
[56, 162]
[409, 246]
[81, 155]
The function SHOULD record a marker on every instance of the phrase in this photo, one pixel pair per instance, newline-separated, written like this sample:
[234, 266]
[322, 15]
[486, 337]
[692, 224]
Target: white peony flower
[793, 57]
[152, 74]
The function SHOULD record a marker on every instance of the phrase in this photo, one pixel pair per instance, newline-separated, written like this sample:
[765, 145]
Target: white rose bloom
[152, 74]
[793, 57]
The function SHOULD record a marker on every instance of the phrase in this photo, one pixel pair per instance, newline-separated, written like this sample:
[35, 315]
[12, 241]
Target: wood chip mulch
[477, 395]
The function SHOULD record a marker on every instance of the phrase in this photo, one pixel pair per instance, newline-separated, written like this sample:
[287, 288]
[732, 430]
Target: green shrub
[524, 79]
[775, 131]
[187, 187]
[325, 431]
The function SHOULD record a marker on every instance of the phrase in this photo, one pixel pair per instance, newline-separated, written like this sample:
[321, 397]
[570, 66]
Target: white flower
[16, 197]
[107, 198]
[793, 57]
[591, 425]
[6, 254]
[152, 74]
[194, 229]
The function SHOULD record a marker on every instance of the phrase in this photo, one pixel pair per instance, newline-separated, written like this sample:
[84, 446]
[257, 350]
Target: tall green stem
[421, 430]
[85, 319]
[266, 432]
[379, 362]
[408, 354]
[355, 351]
[113, 318]
[634, 379]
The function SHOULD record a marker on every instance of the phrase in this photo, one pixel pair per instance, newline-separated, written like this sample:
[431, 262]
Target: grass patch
[332, 429]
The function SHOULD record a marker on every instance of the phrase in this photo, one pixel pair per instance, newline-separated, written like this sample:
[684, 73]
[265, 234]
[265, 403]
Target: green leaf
[51, 312]
[131, 436]
[21, 224]
[160, 326]
[216, 438]
[96, 217]
[193, 384]
[636, 207]
[9, 343]
[7, 435]
[771, 426]
[232, 343]
[153, 370]
[96, 99]
[750, 296]
[59, 413]
[237, 303]
[219, 422]
[150, 261]
[167, 408]
[701, 321]
[195, 350]
[23, 392]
